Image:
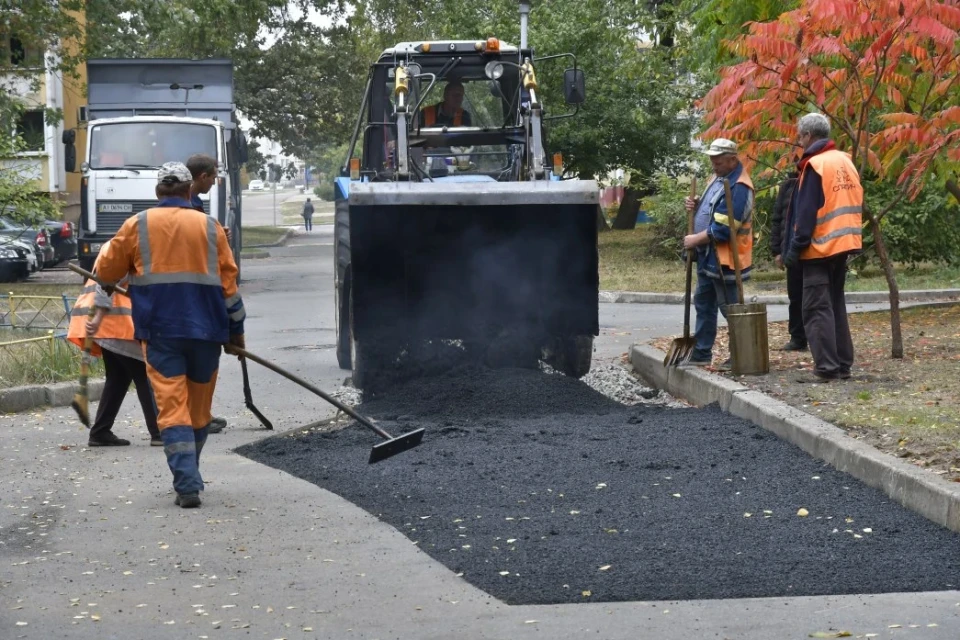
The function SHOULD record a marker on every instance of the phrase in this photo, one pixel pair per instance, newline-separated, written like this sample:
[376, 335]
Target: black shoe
[844, 375]
[108, 440]
[698, 362]
[793, 345]
[217, 425]
[187, 500]
[724, 366]
[156, 442]
[826, 377]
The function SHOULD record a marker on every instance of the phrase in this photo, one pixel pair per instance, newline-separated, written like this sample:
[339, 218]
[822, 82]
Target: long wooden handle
[95, 278]
[734, 240]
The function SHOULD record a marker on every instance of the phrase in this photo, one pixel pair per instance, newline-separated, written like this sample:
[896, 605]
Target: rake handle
[269, 365]
[689, 274]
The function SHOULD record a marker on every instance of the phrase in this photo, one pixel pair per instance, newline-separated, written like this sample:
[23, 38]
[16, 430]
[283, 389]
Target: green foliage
[926, 229]
[669, 218]
[325, 191]
[21, 196]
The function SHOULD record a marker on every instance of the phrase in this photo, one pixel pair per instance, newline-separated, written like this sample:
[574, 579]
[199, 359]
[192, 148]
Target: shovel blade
[680, 352]
[393, 446]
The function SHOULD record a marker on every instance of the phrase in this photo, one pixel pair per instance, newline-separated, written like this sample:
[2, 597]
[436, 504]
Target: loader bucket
[473, 260]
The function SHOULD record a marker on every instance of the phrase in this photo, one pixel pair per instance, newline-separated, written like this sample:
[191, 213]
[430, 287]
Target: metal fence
[35, 312]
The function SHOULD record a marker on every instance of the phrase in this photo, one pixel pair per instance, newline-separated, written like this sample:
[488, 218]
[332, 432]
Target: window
[19, 53]
[30, 128]
[149, 144]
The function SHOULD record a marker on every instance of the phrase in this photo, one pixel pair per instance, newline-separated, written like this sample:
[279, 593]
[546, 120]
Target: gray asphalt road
[91, 545]
[258, 207]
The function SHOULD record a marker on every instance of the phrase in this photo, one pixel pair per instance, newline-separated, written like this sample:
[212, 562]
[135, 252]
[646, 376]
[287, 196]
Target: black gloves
[791, 258]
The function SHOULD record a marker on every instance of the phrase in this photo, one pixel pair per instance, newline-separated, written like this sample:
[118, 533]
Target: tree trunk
[629, 207]
[601, 220]
[887, 264]
[954, 189]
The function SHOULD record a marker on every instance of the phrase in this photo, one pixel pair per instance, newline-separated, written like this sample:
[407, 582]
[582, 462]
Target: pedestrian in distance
[714, 241]
[824, 228]
[798, 337]
[112, 328]
[307, 215]
[186, 306]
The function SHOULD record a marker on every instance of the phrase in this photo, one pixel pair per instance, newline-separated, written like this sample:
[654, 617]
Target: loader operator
[716, 282]
[450, 112]
[183, 286]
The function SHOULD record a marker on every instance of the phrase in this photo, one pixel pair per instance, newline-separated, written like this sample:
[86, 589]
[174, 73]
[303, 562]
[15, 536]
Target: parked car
[13, 262]
[256, 185]
[63, 239]
[33, 260]
[39, 237]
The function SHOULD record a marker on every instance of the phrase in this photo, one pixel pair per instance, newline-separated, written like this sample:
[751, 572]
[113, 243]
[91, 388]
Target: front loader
[453, 232]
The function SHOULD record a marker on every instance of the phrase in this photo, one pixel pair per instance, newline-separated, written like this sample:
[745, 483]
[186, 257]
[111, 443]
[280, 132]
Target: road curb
[260, 255]
[279, 243]
[914, 488]
[33, 396]
[852, 297]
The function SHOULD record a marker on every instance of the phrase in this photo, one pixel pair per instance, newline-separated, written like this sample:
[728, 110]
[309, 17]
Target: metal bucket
[749, 347]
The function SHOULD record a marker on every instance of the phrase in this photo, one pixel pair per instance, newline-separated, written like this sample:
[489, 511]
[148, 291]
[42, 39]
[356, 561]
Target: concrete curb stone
[852, 297]
[910, 486]
[17, 399]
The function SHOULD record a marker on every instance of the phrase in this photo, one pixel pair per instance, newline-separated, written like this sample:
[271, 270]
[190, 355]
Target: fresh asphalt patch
[539, 490]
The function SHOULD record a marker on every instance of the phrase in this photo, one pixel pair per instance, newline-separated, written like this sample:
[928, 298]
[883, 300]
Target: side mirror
[70, 158]
[69, 150]
[574, 86]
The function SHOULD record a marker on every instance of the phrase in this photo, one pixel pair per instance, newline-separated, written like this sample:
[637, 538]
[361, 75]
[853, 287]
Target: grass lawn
[626, 266]
[29, 288]
[322, 214]
[262, 235]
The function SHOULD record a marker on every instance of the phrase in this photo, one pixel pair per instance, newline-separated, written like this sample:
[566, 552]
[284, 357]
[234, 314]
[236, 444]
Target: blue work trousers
[707, 300]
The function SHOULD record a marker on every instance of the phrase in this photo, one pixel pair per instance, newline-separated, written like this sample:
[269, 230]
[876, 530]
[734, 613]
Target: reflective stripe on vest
[744, 230]
[117, 324]
[430, 116]
[839, 227]
[148, 277]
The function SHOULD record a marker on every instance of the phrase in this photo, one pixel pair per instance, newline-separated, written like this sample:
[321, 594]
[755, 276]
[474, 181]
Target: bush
[925, 230]
[324, 191]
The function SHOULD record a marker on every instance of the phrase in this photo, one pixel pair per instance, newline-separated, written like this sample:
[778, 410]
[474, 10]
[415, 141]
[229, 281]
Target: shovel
[391, 447]
[248, 398]
[81, 400]
[682, 348]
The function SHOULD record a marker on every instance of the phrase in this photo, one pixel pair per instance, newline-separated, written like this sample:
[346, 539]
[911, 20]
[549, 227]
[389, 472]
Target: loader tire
[342, 309]
[572, 356]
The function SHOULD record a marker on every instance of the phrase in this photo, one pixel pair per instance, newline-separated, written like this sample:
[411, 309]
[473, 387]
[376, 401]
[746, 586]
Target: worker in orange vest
[450, 112]
[112, 328]
[186, 307]
[713, 226]
[825, 228]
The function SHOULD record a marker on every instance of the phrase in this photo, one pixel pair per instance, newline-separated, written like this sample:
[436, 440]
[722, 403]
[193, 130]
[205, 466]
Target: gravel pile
[541, 490]
[624, 386]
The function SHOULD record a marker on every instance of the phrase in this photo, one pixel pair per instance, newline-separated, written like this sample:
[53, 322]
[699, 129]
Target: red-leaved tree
[887, 75]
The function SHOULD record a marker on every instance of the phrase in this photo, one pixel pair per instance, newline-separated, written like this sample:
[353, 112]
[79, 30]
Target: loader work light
[493, 70]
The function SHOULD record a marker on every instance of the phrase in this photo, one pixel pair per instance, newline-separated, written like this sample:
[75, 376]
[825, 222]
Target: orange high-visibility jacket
[430, 116]
[183, 279]
[744, 230]
[116, 325]
[839, 227]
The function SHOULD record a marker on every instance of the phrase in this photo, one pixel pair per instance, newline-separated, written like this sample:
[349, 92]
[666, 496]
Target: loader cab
[484, 143]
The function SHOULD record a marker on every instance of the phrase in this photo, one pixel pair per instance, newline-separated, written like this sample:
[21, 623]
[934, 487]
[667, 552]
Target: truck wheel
[357, 359]
[342, 311]
[572, 356]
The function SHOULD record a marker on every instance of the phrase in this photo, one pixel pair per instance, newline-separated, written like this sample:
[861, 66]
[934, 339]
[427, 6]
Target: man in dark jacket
[308, 215]
[781, 210]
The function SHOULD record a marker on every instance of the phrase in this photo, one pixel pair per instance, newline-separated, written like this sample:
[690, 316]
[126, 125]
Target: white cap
[721, 146]
[173, 173]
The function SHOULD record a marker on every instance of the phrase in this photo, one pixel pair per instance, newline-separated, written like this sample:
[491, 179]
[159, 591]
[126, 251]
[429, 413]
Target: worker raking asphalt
[540, 490]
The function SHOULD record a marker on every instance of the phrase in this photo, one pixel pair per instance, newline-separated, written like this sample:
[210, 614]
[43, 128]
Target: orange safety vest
[744, 231]
[430, 116]
[839, 227]
[116, 325]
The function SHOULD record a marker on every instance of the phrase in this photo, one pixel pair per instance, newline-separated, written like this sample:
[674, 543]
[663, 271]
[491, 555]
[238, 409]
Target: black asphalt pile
[539, 490]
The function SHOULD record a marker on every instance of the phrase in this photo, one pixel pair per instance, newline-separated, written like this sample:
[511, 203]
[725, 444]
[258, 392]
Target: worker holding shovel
[714, 240]
[108, 320]
[186, 306]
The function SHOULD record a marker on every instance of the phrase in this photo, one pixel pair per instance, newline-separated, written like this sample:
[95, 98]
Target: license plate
[115, 207]
[95, 247]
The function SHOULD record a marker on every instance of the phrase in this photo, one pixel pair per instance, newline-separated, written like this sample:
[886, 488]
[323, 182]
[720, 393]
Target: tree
[886, 74]
[36, 36]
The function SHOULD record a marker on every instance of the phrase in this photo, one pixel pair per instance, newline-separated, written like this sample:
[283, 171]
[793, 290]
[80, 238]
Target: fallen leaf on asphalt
[895, 626]
[95, 618]
[606, 567]
[170, 622]
[933, 624]
[21, 624]
[803, 513]
[747, 515]
[676, 495]
[587, 594]
[868, 530]
[530, 621]
[308, 628]
[831, 634]
[504, 573]
[128, 573]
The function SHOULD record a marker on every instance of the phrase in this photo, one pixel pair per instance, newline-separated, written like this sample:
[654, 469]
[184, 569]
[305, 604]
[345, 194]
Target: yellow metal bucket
[749, 346]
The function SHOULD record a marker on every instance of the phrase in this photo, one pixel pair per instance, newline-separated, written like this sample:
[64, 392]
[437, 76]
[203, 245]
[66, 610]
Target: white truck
[142, 113]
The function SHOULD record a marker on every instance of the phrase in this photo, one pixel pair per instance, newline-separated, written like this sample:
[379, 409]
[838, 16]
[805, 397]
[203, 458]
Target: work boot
[724, 366]
[793, 345]
[217, 425]
[107, 439]
[156, 441]
[188, 500]
[694, 361]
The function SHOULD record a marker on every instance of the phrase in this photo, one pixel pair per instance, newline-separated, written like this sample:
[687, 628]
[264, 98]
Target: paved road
[258, 207]
[87, 533]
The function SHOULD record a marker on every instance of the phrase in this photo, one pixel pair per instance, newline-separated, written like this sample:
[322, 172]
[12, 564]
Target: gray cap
[721, 146]
[173, 173]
